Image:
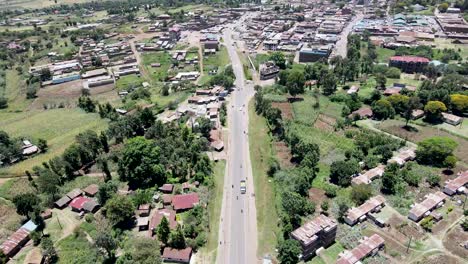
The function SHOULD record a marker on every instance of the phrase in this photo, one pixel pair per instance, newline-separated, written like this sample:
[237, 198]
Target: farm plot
[285, 108]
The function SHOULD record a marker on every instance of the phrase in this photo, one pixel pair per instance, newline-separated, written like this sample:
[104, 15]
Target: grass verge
[260, 152]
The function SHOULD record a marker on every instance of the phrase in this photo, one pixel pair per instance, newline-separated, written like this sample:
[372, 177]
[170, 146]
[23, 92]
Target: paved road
[238, 226]
[341, 44]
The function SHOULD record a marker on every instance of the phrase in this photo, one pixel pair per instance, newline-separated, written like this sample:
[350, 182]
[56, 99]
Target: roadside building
[452, 119]
[28, 148]
[457, 185]
[183, 202]
[359, 214]
[173, 255]
[268, 70]
[316, 233]
[423, 209]
[368, 246]
[65, 77]
[409, 64]
[314, 54]
[157, 216]
[94, 73]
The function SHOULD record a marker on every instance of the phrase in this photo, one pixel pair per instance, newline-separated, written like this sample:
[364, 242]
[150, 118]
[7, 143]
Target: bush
[89, 218]
[393, 73]
[330, 190]
[360, 193]
[433, 179]
[427, 223]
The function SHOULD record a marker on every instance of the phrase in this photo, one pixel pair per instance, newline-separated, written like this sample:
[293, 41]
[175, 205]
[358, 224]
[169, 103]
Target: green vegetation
[216, 61]
[157, 74]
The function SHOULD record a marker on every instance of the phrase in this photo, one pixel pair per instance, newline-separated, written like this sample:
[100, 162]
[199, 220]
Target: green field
[260, 152]
[383, 54]
[216, 61]
[58, 126]
[162, 57]
[214, 209]
[129, 81]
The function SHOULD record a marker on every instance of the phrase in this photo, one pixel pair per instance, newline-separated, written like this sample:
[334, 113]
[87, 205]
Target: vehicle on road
[243, 187]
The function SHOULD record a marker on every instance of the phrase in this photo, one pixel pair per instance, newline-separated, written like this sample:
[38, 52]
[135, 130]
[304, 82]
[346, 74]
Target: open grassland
[58, 126]
[214, 211]
[10, 4]
[260, 153]
[216, 61]
[129, 81]
[160, 73]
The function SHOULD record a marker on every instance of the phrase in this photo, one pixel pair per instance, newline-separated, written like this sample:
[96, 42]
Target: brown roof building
[369, 175]
[423, 209]
[358, 214]
[402, 156]
[457, 185]
[157, 217]
[91, 190]
[363, 112]
[166, 188]
[368, 246]
[177, 255]
[318, 232]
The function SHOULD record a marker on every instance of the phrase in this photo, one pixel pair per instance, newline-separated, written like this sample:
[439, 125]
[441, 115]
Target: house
[423, 209]
[353, 89]
[184, 202]
[91, 190]
[316, 233]
[211, 44]
[391, 91]
[157, 217]
[74, 193]
[18, 239]
[452, 119]
[409, 64]
[359, 214]
[167, 188]
[62, 202]
[456, 185]
[177, 255]
[362, 113]
[144, 210]
[28, 148]
[143, 223]
[94, 73]
[65, 77]
[368, 176]
[91, 206]
[46, 214]
[85, 204]
[268, 70]
[402, 156]
[367, 246]
[167, 199]
[417, 113]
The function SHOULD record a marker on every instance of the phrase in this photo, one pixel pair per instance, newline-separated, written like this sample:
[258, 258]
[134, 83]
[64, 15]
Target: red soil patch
[454, 241]
[285, 108]
[284, 154]
[325, 123]
[317, 196]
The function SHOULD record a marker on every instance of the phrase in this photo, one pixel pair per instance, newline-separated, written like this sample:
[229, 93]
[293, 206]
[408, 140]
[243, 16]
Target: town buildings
[268, 70]
[457, 185]
[368, 246]
[359, 214]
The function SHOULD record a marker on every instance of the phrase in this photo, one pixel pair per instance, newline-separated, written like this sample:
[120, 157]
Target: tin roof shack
[368, 246]
[452, 119]
[318, 232]
[409, 64]
[143, 223]
[144, 210]
[85, 204]
[166, 188]
[18, 239]
[368, 176]
[177, 255]
[183, 202]
[314, 54]
[157, 217]
[28, 148]
[353, 89]
[268, 70]
[358, 214]
[423, 209]
[362, 113]
[91, 190]
[402, 156]
[416, 114]
[457, 185]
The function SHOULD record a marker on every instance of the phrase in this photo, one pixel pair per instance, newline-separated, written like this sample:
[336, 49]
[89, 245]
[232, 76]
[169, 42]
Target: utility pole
[409, 243]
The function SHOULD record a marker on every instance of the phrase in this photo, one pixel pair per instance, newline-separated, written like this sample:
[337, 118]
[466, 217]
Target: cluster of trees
[224, 78]
[10, 148]
[437, 151]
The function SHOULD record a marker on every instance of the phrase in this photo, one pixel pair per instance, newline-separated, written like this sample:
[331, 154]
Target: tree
[278, 58]
[391, 178]
[204, 126]
[26, 203]
[399, 102]
[295, 205]
[443, 7]
[3, 102]
[104, 142]
[382, 109]
[433, 151]
[289, 251]
[295, 83]
[106, 191]
[141, 250]
[433, 179]
[381, 81]
[434, 111]
[42, 145]
[119, 210]
[163, 230]
[140, 163]
[464, 224]
[106, 242]
[177, 238]
[450, 162]
[412, 105]
[361, 193]
[48, 249]
[329, 83]
[341, 172]
[459, 103]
